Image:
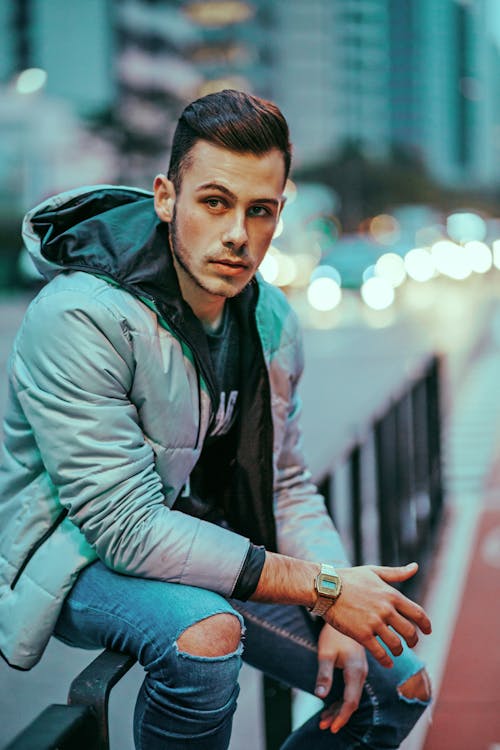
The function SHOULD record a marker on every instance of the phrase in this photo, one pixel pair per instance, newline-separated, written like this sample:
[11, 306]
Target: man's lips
[230, 262]
[230, 266]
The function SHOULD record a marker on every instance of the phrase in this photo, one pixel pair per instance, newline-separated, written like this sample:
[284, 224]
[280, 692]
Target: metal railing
[395, 477]
[385, 495]
[82, 723]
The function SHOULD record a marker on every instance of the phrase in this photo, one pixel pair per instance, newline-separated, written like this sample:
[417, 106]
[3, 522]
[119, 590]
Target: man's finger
[354, 679]
[405, 628]
[329, 715]
[413, 612]
[405, 606]
[378, 652]
[324, 678]
[341, 717]
[391, 640]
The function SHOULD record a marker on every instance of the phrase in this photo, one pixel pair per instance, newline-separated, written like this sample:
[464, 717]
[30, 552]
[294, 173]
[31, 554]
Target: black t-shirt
[224, 348]
[211, 476]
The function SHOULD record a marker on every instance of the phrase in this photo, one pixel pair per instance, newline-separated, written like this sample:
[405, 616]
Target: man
[154, 497]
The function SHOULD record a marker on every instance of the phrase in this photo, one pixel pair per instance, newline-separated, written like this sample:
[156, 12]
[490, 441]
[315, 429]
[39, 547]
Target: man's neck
[213, 326]
[208, 308]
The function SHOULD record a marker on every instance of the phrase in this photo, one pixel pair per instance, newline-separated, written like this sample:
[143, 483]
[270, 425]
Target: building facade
[377, 74]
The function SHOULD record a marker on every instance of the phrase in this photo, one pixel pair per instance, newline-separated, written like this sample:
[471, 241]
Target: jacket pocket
[60, 518]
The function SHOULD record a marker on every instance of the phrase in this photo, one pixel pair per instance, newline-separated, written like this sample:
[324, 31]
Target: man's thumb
[397, 573]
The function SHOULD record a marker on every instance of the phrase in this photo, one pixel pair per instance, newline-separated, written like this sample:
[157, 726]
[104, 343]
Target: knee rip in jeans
[216, 636]
[417, 688]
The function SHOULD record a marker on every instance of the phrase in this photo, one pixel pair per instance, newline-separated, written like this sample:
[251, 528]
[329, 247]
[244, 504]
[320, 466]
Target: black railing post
[434, 441]
[325, 488]
[387, 487]
[421, 456]
[356, 504]
[277, 712]
[405, 470]
[93, 686]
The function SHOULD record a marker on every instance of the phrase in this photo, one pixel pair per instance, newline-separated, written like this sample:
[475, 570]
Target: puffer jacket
[110, 397]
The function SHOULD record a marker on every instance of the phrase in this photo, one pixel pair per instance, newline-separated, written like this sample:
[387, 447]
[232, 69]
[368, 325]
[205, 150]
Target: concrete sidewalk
[463, 597]
[467, 710]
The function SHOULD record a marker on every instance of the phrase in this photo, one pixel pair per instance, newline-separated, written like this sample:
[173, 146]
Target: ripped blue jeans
[188, 700]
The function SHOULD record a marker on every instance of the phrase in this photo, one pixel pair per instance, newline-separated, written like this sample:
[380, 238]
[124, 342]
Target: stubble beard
[181, 255]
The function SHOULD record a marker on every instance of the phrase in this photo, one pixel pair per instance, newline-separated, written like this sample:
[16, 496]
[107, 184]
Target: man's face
[222, 219]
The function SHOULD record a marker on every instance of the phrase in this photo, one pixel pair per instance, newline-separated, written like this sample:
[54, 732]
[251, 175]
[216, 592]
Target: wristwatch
[328, 586]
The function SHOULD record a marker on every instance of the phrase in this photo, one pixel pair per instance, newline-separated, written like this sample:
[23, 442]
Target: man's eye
[214, 202]
[260, 211]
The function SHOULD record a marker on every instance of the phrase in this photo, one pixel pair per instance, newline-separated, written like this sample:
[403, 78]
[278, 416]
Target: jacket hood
[108, 230]
[115, 232]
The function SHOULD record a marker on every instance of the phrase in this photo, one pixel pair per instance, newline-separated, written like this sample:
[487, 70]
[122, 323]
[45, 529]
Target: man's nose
[236, 230]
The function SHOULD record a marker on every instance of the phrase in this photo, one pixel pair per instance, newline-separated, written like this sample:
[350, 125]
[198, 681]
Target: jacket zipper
[198, 432]
[60, 518]
[269, 434]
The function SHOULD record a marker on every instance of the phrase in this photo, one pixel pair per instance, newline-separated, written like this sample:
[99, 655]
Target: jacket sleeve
[73, 368]
[304, 527]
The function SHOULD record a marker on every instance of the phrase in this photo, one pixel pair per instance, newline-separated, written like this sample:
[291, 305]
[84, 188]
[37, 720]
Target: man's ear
[164, 193]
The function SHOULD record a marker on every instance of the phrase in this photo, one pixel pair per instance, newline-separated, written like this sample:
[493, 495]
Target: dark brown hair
[234, 120]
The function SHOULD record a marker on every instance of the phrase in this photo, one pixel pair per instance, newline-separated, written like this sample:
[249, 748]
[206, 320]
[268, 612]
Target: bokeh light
[278, 268]
[287, 270]
[419, 264]
[463, 227]
[269, 268]
[496, 253]
[324, 294]
[451, 260]
[385, 229]
[279, 228]
[216, 13]
[377, 293]
[31, 80]
[328, 272]
[479, 256]
[368, 273]
[213, 85]
[391, 267]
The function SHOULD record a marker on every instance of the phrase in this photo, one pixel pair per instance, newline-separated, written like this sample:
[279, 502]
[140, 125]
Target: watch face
[328, 585]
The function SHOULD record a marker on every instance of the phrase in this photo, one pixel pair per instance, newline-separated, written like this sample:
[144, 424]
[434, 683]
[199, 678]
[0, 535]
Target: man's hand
[337, 650]
[369, 607]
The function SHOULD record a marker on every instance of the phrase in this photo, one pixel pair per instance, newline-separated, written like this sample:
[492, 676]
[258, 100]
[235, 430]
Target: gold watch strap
[323, 604]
